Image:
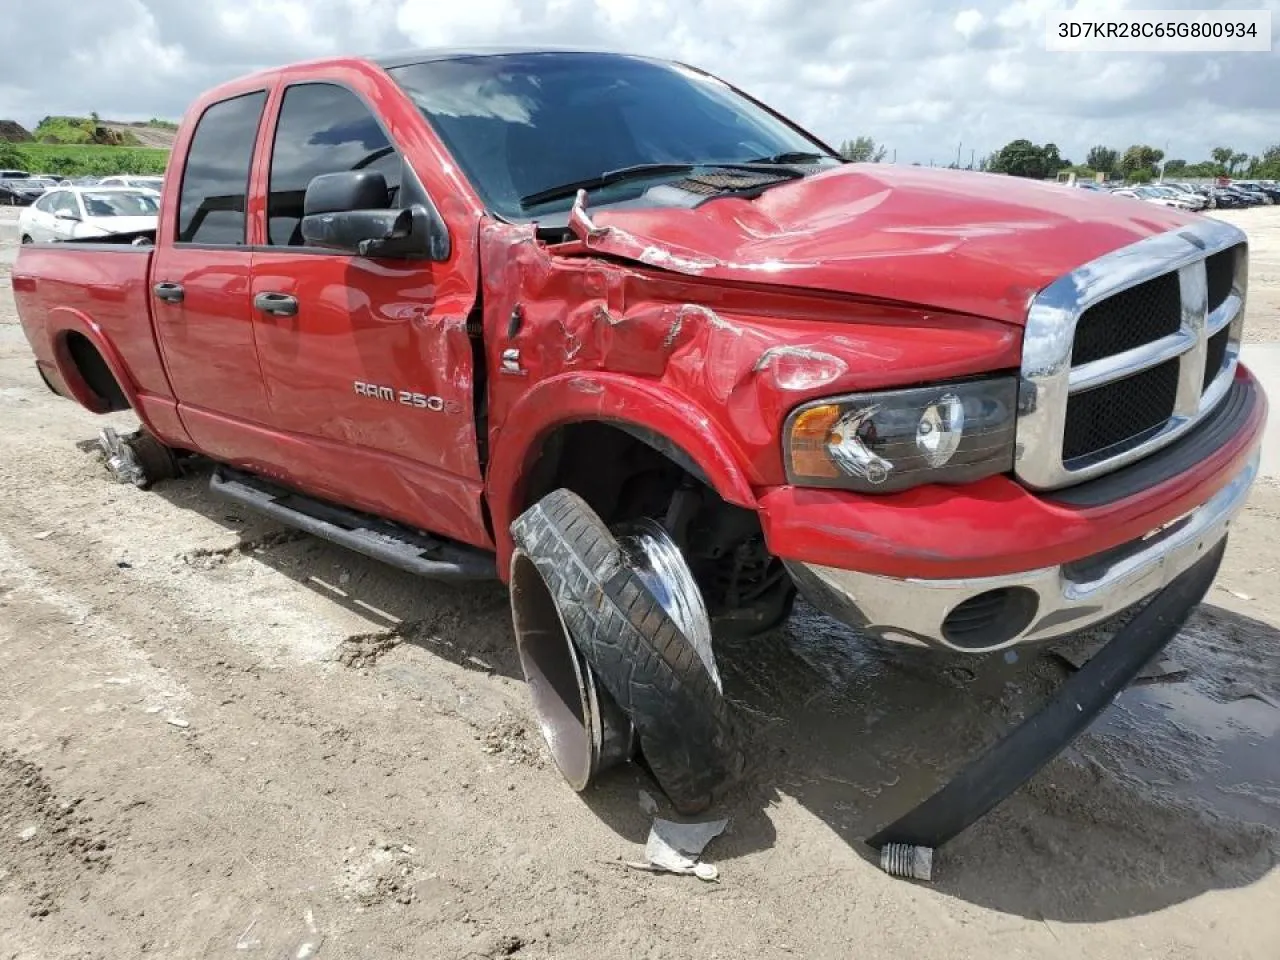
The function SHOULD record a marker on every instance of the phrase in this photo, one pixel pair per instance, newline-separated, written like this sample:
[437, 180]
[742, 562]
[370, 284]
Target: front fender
[666, 420]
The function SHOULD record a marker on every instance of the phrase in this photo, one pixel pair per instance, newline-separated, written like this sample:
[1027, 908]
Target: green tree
[1022, 158]
[1102, 159]
[862, 150]
[1175, 168]
[10, 157]
[1142, 175]
[1222, 157]
[1237, 162]
[1269, 163]
[1140, 158]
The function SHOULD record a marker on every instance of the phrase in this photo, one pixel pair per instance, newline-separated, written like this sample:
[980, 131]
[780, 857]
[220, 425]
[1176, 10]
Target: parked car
[1242, 198]
[145, 183]
[13, 174]
[1153, 195]
[1225, 199]
[82, 213]
[657, 397]
[24, 191]
[1260, 195]
[1191, 201]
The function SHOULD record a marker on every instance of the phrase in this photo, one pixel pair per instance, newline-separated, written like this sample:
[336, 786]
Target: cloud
[910, 73]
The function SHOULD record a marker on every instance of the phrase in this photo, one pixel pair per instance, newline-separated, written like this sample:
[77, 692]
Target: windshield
[119, 204]
[519, 124]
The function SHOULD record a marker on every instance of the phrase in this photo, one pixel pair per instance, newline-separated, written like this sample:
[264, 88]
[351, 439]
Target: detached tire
[635, 650]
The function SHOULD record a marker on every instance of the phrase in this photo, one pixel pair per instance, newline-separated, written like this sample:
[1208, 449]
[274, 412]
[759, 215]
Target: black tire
[685, 726]
[26, 238]
[157, 460]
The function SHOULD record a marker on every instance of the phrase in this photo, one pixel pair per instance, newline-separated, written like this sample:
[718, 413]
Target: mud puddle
[1232, 755]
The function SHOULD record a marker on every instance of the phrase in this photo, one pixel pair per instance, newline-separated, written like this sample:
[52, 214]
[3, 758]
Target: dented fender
[640, 406]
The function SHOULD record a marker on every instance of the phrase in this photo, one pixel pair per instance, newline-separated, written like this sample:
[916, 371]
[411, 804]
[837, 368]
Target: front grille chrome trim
[1098, 373]
[1222, 316]
[1048, 378]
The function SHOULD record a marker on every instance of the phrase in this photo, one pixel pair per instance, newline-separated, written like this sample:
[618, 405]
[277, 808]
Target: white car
[83, 213]
[145, 183]
[1152, 195]
[1193, 200]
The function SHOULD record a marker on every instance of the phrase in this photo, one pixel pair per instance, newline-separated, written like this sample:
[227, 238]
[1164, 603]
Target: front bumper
[980, 614]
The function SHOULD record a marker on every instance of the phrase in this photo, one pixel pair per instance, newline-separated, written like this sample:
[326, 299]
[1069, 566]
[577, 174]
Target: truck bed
[70, 293]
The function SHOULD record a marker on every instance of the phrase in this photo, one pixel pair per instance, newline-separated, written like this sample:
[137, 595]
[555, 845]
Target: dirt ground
[219, 738]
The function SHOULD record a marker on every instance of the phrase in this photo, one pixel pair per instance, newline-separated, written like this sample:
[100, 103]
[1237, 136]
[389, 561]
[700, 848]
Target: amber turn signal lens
[810, 432]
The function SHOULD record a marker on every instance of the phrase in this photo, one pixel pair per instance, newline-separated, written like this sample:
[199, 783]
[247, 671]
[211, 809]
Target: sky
[928, 80]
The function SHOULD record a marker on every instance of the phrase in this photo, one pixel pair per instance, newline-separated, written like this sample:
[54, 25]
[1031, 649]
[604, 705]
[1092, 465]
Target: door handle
[170, 292]
[279, 304]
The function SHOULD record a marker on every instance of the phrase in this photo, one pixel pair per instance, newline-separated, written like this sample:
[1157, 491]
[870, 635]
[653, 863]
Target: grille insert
[1215, 355]
[1129, 319]
[1220, 273]
[1126, 411]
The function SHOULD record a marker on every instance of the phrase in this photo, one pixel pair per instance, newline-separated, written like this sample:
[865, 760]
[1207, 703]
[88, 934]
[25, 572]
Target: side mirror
[350, 212]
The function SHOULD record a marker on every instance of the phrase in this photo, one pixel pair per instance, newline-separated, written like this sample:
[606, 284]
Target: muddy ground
[219, 738]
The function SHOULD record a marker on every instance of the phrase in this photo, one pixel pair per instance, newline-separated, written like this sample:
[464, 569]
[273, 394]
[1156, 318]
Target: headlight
[891, 440]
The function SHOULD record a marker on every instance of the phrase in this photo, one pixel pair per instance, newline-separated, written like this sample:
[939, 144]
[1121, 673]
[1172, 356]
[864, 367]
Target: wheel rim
[584, 728]
[661, 567]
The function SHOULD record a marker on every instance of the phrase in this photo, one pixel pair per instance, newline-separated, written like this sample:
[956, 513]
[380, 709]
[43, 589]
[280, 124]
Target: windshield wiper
[560, 191]
[794, 156]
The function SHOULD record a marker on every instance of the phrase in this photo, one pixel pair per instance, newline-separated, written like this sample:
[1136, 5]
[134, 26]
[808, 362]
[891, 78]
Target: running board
[382, 540]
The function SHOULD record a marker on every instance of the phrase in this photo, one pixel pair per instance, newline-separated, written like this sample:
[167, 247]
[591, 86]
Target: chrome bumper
[1000, 612]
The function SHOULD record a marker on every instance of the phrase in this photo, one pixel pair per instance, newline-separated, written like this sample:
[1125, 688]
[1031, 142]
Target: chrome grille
[1131, 318]
[1124, 354]
[1120, 412]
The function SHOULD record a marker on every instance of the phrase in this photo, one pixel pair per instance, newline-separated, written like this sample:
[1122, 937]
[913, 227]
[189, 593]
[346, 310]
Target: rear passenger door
[200, 293]
[364, 365]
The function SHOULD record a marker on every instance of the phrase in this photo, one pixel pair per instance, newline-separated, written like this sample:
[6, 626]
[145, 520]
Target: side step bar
[382, 540]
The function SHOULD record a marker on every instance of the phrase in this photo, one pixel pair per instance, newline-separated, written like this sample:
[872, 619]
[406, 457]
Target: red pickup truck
[616, 333]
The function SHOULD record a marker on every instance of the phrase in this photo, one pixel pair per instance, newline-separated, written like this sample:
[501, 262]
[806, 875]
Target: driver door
[362, 355]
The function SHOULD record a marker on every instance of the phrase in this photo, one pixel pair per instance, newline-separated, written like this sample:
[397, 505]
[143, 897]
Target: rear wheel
[139, 458]
[26, 238]
[615, 643]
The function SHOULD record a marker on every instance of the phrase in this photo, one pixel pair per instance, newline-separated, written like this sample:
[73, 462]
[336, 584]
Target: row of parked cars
[1197, 196]
[83, 208]
[18, 188]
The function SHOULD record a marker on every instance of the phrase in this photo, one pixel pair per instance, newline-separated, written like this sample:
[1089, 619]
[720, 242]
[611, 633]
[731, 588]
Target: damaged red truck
[610, 330]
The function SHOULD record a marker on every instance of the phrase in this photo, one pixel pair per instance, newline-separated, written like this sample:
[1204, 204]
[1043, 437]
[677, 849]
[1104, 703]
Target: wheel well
[93, 370]
[622, 477]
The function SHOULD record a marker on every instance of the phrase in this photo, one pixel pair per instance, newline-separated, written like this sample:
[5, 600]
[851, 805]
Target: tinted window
[521, 123]
[216, 177]
[322, 129]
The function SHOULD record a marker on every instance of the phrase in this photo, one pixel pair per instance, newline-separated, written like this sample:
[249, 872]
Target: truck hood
[973, 243]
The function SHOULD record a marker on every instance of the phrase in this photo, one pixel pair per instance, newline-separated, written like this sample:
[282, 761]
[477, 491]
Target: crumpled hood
[981, 244]
[111, 225]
